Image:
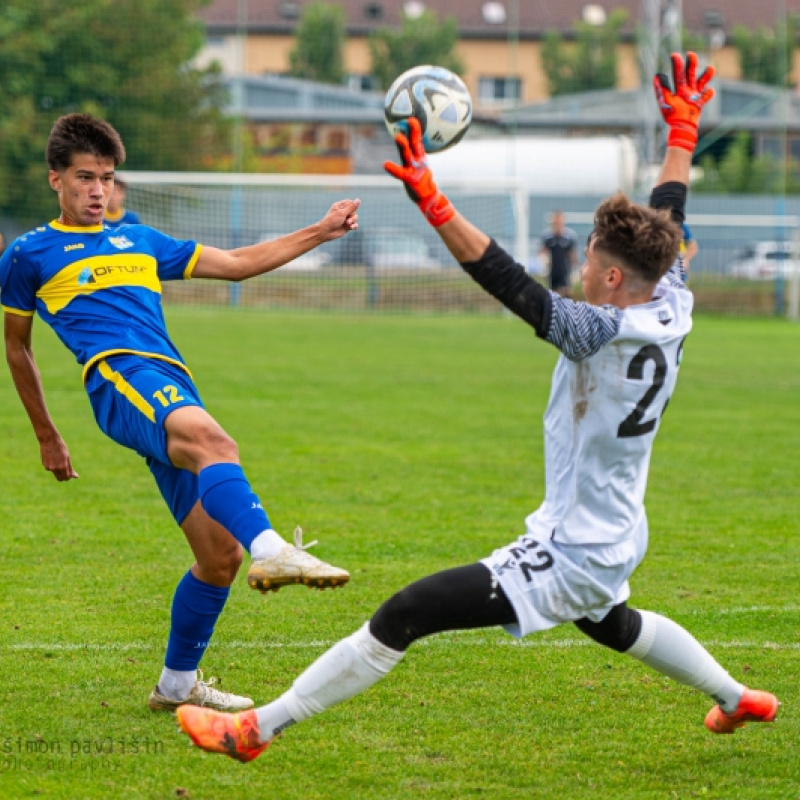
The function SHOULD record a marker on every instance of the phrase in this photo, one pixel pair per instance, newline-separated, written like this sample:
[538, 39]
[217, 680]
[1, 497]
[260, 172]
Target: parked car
[767, 260]
[400, 248]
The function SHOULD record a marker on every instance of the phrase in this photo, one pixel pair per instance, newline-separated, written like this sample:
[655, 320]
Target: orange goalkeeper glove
[417, 176]
[681, 108]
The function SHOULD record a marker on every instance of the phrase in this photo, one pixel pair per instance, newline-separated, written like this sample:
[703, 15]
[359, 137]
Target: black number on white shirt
[632, 425]
[545, 560]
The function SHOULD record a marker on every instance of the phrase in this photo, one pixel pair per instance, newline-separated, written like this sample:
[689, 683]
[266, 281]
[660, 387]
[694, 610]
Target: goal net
[395, 261]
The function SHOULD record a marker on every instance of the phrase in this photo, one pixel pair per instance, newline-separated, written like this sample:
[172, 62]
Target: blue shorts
[131, 396]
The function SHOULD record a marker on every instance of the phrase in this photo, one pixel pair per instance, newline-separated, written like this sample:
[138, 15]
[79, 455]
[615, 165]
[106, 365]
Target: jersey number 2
[632, 425]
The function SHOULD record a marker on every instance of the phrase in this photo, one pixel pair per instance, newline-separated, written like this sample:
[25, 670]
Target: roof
[740, 104]
[535, 16]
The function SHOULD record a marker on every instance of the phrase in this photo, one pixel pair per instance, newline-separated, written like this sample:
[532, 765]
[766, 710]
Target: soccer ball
[438, 98]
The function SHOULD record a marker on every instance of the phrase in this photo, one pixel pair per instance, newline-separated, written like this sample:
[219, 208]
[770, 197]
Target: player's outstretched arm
[247, 262]
[28, 382]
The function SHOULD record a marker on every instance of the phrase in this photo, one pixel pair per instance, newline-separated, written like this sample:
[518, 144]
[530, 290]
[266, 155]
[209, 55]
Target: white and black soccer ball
[438, 98]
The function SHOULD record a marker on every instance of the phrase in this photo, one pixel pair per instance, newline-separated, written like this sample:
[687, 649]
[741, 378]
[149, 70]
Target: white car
[767, 260]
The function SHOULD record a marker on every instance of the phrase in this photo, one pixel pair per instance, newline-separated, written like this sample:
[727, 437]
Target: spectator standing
[560, 250]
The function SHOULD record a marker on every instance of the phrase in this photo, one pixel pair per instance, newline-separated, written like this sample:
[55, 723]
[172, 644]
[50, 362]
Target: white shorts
[549, 583]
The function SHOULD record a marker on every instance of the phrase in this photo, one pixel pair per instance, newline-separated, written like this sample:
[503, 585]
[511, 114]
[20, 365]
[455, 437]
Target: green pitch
[404, 445]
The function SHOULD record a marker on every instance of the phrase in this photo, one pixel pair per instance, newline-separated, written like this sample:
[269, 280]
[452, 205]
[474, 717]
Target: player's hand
[342, 217]
[417, 176]
[55, 459]
[681, 107]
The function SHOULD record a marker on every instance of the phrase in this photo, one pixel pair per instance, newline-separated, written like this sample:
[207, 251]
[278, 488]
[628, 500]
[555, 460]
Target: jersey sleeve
[501, 276]
[672, 195]
[18, 283]
[578, 330]
[176, 257]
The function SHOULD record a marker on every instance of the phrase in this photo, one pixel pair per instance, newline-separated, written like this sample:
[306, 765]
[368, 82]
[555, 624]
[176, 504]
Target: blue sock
[227, 498]
[196, 606]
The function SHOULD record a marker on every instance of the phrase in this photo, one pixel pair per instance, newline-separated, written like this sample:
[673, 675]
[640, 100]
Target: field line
[435, 641]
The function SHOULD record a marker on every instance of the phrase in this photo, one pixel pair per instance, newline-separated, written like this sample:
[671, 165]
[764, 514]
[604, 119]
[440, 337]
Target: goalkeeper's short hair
[646, 240]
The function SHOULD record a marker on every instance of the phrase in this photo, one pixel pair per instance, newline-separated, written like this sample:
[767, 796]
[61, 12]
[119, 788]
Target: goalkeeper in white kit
[621, 352]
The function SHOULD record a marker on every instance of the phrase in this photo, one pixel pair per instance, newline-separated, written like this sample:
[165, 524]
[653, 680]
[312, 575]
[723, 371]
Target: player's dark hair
[81, 133]
[646, 240]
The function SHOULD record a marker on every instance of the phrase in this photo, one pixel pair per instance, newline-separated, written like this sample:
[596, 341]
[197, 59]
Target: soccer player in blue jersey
[116, 213]
[100, 291]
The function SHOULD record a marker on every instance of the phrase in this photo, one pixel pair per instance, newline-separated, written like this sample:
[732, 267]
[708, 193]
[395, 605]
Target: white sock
[350, 667]
[266, 544]
[176, 684]
[673, 651]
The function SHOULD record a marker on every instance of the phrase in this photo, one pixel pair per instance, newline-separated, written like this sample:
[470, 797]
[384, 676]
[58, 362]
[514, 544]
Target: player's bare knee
[214, 445]
[221, 565]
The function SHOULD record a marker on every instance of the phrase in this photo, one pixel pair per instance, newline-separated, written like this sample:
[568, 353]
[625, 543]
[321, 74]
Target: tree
[591, 63]
[765, 55]
[738, 172]
[420, 40]
[318, 53]
[125, 60]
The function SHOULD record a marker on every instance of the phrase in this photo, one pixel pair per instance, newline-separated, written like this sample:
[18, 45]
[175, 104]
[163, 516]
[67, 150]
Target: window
[289, 9]
[373, 11]
[361, 83]
[498, 91]
[770, 146]
[773, 145]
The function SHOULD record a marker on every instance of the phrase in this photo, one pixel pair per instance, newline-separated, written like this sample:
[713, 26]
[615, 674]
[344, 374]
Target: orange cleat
[754, 706]
[234, 735]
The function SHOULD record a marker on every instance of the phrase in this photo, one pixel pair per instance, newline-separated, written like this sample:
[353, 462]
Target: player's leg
[196, 442]
[120, 391]
[671, 650]
[456, 599]
[198, 600]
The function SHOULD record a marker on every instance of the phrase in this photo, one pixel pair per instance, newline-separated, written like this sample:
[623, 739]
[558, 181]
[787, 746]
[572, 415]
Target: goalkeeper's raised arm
[681, 104]
[629, 251]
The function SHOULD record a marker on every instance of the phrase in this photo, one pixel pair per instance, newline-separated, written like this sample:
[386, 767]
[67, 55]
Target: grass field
[404, 445]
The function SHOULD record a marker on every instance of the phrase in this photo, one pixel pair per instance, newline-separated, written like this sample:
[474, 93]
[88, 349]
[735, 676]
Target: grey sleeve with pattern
[578, 329]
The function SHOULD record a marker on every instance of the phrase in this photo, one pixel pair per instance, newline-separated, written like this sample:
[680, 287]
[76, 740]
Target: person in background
[116, 213]
[560, 250]
[689, 246]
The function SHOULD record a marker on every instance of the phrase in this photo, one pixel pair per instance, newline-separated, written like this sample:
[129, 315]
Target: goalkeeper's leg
[461, 598]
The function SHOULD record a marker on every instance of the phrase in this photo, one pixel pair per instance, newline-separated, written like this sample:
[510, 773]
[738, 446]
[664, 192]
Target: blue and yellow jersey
[99, 289]
[122, 217]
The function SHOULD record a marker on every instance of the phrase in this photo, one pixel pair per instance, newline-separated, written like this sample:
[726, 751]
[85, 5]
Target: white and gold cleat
[293, 564]
[202, 694]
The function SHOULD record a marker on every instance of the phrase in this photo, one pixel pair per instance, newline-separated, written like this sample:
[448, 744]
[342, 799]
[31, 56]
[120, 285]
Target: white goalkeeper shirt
[610, 387]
